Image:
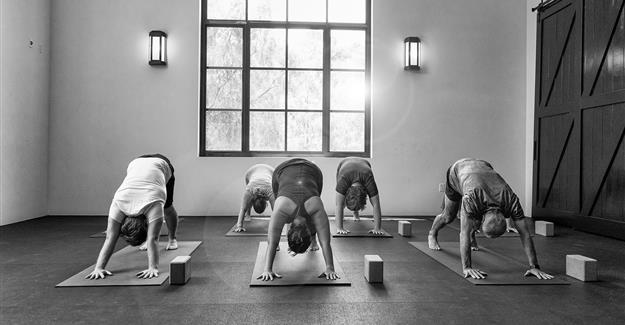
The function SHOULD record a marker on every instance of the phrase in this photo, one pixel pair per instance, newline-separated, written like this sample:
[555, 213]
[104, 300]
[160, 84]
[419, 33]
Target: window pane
[225, 9]
[348, 49]
[266, 89]
[347, 90]
[267, 10]
[223, 88]
[224, 47]
[267, 131]
[267, 47]
[305, 90]
[347, 11]
[347, 132]
[304, 131]
[305, 48]
[307, 10]
[223, 130]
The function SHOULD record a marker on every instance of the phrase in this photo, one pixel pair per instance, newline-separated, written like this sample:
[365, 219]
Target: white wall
[24, 100]
[108, 105]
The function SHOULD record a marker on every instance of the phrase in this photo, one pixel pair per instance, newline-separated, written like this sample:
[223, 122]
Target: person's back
[298, 179]
[258, 178]
[470, 176]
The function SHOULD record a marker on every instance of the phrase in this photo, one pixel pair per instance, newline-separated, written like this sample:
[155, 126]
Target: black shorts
[172, 181]
[449, 191]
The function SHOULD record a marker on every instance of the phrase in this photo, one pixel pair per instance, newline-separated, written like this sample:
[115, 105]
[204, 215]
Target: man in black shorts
[485, 201]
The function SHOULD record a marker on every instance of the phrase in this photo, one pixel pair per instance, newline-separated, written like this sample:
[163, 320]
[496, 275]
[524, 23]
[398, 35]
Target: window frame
[246, 26]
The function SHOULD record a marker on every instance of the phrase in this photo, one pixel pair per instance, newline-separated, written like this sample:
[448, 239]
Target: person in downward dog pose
[257, 192]
[139, 206]
[354, 181]
[484, 201]
[297, 185]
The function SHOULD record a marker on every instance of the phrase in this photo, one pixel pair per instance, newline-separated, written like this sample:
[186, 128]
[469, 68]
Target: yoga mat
[301, 269]
[127, 262]
[501, 269]
[254, 228]
[357, 229]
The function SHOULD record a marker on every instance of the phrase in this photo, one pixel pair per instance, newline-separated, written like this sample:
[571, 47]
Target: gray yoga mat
[501, 269]
[357, 229]
[301, 269]
[127, 262]
[254, 228]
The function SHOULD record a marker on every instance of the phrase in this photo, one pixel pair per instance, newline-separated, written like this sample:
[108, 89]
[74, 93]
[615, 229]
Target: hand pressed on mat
[98, 274]
[538, 273]
[148, 273]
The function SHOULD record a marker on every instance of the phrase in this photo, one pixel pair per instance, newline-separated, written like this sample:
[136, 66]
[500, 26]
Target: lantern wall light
[158, 48]
[412, 53]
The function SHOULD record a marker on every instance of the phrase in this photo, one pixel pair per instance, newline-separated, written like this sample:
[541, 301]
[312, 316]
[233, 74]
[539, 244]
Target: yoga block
[404, 228]
[581, 267]
[374, 269]
[544, 228]
[180, 270]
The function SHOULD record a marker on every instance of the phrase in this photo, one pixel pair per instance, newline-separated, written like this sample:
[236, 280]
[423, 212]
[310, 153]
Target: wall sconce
[412, 53]
[158, 48]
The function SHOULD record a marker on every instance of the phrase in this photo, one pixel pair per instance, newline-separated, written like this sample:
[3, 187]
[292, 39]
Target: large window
[285, 77]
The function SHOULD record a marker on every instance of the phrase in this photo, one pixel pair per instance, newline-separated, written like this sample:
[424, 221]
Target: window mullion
[325, 124]
[245, 134]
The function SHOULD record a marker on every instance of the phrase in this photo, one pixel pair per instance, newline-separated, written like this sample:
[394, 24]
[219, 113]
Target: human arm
[340, 206]
[377, 215]
[272, 200]
[466, 226]
[112, 233]
[154, 229]
[276, 223]
[528, 247]
[246, 204]
[322, 227]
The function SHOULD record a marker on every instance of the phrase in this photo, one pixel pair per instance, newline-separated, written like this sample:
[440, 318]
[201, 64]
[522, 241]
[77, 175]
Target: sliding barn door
[579, 165]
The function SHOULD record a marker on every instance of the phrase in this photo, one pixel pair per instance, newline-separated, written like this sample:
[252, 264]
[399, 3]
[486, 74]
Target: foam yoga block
[544, 228]
[581, 267]
[404, 228]
[180, 270]
[374, 269]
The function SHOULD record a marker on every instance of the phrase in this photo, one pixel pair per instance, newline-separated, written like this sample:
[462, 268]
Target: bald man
[485, 202]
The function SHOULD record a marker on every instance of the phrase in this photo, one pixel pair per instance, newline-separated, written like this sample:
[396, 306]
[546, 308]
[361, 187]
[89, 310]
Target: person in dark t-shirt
[484, 201]
[354, 182]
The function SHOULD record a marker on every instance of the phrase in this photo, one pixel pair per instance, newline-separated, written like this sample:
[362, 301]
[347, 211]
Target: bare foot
[433, 243]
[475, 248]
[356, 218]
[144, 246]
[173, 244]
[314, 246]
[512, 230]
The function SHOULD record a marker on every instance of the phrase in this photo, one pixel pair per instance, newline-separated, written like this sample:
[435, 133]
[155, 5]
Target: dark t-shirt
[480, 188]
[352, 170]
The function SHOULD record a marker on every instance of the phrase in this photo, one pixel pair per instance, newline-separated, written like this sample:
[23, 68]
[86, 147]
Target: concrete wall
[24, 101]
[108, 105]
